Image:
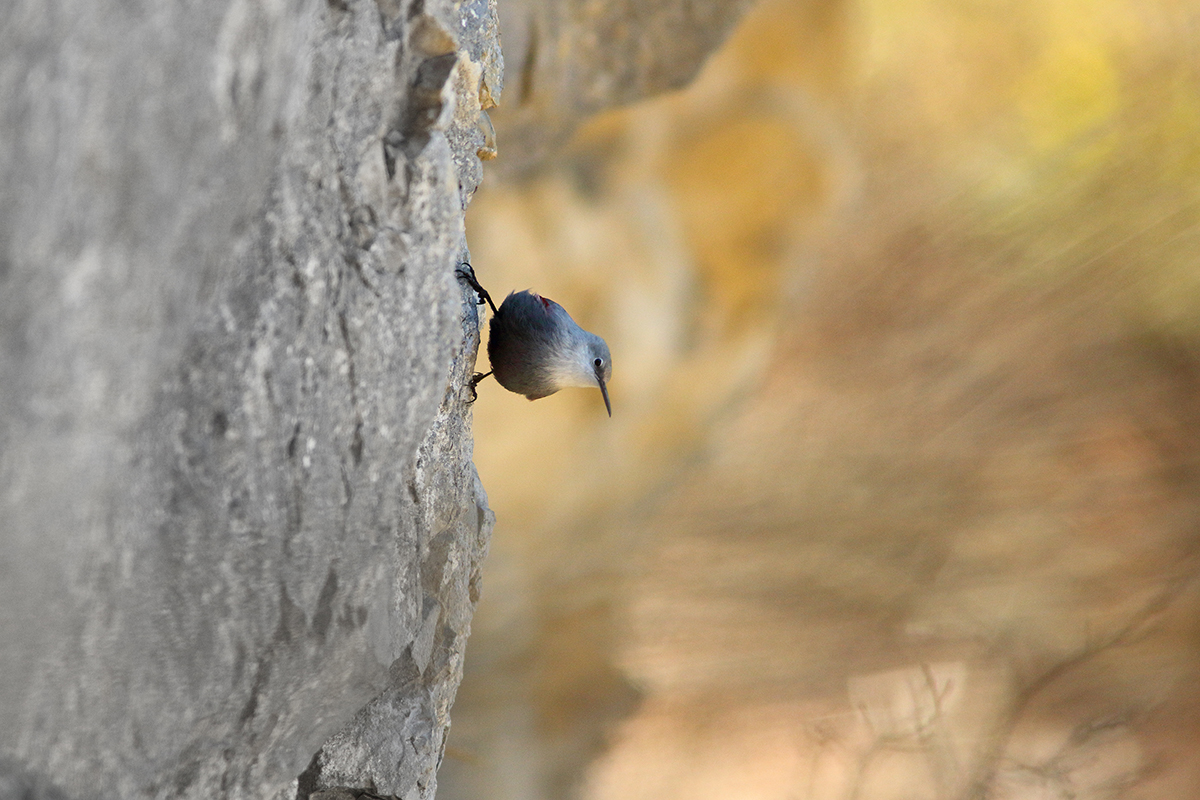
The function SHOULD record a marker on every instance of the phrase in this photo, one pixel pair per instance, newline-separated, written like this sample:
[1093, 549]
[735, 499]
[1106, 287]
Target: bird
[536, 349]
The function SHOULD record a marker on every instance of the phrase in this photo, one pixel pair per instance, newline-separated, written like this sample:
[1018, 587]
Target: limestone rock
[238, 513]
[568, 60]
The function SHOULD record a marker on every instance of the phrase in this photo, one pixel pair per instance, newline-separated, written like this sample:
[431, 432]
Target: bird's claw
[466, 273]
[475, 379]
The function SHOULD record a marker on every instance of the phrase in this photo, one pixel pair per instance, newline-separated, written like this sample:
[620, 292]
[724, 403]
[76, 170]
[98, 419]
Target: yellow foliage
[739, 187]
[1069, 98]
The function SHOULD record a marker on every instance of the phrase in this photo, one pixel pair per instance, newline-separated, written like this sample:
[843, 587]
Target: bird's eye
[599, 362]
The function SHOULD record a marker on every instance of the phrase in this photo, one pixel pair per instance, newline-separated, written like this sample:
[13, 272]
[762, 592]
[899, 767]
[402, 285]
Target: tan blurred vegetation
[899, 498]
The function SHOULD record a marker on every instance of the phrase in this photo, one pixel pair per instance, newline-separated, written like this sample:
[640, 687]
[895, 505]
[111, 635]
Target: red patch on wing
[546, 301]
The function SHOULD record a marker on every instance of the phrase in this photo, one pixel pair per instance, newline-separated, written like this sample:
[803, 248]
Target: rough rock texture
[237, 509]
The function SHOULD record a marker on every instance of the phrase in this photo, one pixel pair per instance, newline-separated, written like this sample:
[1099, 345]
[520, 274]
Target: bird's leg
[475, 379]
[467, 273]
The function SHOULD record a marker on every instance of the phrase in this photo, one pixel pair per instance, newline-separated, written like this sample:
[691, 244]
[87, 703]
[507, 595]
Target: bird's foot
[466, 272]
[475, 379]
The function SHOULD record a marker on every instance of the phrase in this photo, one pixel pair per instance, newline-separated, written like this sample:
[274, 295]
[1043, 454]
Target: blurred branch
[987, 766]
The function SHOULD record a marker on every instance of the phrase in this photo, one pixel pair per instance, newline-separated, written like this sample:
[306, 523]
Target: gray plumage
[535, 349]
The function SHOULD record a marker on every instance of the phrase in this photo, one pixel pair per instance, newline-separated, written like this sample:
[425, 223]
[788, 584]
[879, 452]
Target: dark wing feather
[523, 336]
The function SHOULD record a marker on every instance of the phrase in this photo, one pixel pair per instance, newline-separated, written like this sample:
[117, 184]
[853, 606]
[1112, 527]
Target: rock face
[242, 534]
[568, 60]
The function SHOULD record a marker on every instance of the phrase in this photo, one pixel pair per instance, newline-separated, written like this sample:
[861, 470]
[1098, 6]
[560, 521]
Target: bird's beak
[604, 391]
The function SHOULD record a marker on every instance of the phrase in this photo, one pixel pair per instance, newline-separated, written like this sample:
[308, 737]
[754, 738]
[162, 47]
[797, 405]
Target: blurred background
[899, 498]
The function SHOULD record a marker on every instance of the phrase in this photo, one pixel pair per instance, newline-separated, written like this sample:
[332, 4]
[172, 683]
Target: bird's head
[601, 362]
[584, 361]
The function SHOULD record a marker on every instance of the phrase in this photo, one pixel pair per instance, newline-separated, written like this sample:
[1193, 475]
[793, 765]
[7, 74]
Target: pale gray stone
[569, 59]
[237, 508]
[241, 533]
